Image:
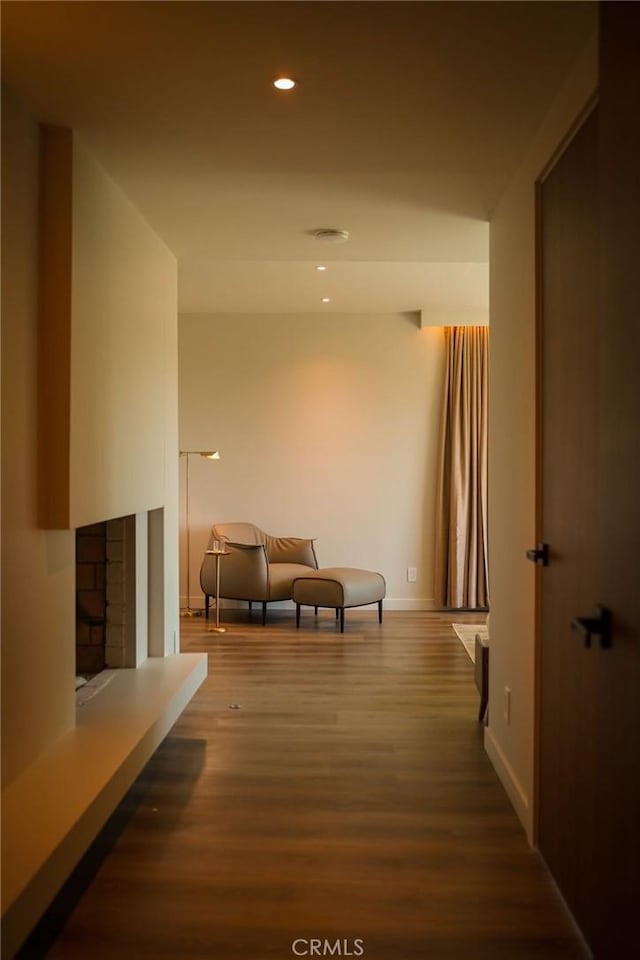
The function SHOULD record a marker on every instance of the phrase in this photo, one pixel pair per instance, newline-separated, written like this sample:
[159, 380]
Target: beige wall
[328, 427]
[124, 423]
[38, 606]
[512, 448]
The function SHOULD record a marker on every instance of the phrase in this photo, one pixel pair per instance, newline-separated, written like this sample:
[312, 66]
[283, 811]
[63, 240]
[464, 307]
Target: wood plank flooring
[348, 797]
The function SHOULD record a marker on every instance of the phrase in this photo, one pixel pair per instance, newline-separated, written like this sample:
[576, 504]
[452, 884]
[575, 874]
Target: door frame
[582, 116]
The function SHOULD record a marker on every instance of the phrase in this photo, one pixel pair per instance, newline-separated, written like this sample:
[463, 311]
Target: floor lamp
[208, 455]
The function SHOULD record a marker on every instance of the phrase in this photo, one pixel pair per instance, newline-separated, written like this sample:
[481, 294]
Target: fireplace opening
[105, 595]
[91, 599]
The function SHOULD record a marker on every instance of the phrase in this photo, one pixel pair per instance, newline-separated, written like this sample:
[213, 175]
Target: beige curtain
[461, 505]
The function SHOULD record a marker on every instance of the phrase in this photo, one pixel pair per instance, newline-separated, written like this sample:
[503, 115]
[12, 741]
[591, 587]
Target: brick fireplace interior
[105, 586]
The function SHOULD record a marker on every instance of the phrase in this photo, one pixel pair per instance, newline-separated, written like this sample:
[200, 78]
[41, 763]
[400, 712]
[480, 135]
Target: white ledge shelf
[53, 811]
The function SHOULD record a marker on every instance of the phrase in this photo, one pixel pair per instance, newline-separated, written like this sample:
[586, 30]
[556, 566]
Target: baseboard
[406, 603]
[415, 604]
[510, 782]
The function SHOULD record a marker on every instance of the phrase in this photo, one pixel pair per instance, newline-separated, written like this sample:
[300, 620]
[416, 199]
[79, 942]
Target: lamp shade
[209, 454]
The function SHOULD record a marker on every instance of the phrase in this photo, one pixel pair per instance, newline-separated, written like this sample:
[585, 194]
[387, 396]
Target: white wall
[124, 307]
[124, 409]
[124, 391]
[328, 427]
[512, 428]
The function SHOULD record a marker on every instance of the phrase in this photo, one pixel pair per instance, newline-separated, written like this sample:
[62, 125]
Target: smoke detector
[329, 235]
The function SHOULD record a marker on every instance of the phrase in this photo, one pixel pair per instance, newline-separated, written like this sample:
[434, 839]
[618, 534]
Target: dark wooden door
[615, 930]
[569, 672]
[589, 696]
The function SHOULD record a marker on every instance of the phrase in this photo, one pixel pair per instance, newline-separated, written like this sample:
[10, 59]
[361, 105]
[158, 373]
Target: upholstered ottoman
[338, 587]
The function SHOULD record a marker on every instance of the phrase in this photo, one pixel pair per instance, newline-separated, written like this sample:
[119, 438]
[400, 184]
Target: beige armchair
[259, 567]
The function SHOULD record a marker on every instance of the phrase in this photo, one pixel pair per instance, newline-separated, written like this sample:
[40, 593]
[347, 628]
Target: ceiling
[407, 122]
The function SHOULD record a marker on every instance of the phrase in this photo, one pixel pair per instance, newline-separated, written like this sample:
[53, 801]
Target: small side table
[217, 554]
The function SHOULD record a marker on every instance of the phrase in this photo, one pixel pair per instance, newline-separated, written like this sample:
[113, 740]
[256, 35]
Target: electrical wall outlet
[412, 574]
[507, 705]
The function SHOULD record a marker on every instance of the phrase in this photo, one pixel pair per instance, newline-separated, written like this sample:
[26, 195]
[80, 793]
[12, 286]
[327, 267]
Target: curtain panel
[461, 567]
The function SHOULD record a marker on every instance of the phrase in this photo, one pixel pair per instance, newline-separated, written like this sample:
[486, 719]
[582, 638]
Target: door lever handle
[540, 554]
[598, 626]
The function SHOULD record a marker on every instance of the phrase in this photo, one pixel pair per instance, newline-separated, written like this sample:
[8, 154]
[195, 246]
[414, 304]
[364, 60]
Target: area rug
[467, 635]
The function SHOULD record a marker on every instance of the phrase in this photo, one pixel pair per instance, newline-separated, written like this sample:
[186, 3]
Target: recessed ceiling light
[326, 299]
[284, 83]
[321, 267]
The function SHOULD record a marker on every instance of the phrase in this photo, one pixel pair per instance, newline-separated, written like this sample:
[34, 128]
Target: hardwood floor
[347, 798]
